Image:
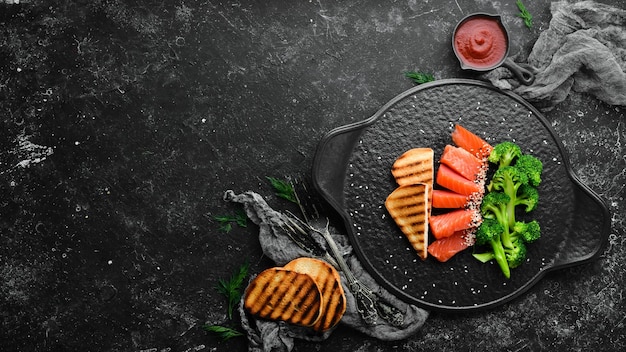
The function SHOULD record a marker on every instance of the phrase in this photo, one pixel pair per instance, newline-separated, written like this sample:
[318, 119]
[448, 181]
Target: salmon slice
[462, 161]
[444, 225]
[445, 248]
[469, 141]
[452, 180]
[447, 199]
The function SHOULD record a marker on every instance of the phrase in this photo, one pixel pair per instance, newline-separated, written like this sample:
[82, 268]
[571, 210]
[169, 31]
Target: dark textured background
[123, 122]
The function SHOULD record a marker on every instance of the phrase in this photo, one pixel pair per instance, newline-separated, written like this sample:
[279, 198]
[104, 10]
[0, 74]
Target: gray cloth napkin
[276, 244]
[584, 50]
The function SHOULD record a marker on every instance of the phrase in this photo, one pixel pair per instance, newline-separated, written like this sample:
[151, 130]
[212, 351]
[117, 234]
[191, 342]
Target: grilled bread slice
[327, 279]
[408, 206]
[414, 166]
[280, 294]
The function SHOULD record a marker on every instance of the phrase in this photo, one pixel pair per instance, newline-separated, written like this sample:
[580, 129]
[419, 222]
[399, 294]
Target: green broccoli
[494, 206]
[522, 233]
[528, 196]
[489, 233]
[504, 153]
[527, 232]
[508, 180]
[494, 209]
[515, 255]
[531, 166]
[513, 184]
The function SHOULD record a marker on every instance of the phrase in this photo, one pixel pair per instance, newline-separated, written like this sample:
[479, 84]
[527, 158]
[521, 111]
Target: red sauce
[481, 42]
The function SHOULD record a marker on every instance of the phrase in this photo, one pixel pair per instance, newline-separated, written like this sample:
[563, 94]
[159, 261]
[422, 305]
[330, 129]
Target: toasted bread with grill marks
[408, 206]
[327, 279]
[280, 294]
[414, 166]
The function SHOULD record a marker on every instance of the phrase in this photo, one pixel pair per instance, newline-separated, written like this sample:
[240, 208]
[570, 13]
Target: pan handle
[331, 162]
[524, 75]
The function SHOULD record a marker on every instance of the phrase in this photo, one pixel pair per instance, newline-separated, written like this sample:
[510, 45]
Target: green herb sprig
[224, 332]
[419, 77]
[231, 288]
[283, 189]
[226, 221]
[524, 14]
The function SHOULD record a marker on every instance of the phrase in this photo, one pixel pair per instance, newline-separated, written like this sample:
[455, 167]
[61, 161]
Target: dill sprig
[223, 332]
[284, 189]
[524, 14]
[419, 77]
[231, 288]
[226, 221]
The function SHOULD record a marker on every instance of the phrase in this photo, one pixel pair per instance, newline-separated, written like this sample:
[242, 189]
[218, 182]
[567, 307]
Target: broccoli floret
[508, 180]
[528, 196]
[527, 232]
[494, 206]
[504, 153]
[489, 230]
[532, 167]
[489, 233]
[515, 255]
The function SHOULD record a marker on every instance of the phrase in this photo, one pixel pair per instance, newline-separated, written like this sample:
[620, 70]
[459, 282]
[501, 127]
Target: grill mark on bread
[300, 296]
[306, 291]
[305, 305]
[336, 307]
[408, 206]
[328, 281]
[327, 291]
[280, 294]
[414, 166]
[405, 176]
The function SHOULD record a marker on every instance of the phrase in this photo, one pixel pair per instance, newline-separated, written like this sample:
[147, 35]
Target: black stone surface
[123, 122]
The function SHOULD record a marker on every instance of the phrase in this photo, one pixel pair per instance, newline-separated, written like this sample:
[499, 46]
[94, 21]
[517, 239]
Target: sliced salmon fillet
[444, 225]
[445, 248]
[452, 180]
[462, 161]
[469, 141]
[447, 199]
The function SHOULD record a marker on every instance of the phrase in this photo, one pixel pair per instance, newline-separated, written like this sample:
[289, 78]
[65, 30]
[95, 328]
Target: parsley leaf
[223, 331]
[231, 288]
[419, 77]
[226, 221]
[283, 189]
[524, 14]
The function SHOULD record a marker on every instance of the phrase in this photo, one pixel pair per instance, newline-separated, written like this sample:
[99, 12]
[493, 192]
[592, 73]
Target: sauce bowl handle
[524, 75]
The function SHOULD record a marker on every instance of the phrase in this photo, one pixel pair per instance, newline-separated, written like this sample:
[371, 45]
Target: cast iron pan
[351, 171]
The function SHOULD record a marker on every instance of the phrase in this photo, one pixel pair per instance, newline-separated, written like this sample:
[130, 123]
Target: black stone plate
[351, 171]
